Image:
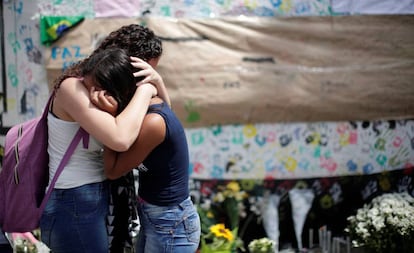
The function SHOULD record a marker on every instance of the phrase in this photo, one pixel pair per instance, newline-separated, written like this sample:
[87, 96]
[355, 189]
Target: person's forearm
[110, 158]
[163, 93]
[118, 133]
[135, 112]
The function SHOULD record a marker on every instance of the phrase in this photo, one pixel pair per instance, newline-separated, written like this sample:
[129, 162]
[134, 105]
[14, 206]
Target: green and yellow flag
[53, 27]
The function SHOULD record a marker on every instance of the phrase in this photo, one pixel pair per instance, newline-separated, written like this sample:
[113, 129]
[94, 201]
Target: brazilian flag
[53, 27]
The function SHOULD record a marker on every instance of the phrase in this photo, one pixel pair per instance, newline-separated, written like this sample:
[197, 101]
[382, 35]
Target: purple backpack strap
[80, 134]
[49, 102]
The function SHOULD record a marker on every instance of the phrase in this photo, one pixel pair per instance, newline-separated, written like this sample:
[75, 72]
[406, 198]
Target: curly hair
[137, 40]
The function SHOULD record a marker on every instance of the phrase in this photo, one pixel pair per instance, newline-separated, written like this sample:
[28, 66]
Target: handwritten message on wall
[300, 150]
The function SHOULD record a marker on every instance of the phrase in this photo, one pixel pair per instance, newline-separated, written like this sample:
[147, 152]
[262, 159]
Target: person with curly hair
[169, 220]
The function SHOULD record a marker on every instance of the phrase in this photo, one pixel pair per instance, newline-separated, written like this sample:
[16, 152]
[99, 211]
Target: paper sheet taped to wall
[268, 70]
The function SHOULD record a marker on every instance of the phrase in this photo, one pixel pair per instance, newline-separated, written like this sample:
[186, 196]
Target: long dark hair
[111, 69]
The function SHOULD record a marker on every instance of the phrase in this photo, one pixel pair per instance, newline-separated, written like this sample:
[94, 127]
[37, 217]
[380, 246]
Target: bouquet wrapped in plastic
[27, 242]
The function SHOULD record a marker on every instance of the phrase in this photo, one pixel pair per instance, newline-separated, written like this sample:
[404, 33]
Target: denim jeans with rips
[168, 229]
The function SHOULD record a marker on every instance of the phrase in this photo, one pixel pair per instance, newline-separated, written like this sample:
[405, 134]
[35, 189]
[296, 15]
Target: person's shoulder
[155, 123]
[70, 89]
[70, 83]
[72, 79]
[154, 119]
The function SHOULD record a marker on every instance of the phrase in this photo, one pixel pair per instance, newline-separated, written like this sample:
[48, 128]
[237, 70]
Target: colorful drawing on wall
[212, 9]
[300, 150]
[230, 151]
[372, 7]
[65, 8]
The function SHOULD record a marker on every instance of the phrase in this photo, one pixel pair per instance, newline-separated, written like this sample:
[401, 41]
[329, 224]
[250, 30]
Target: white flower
[387, 218]
[262, 245]
[219, 197]
[206, 205]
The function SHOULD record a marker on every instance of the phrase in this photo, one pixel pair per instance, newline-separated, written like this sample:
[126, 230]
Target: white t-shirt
[85, 166]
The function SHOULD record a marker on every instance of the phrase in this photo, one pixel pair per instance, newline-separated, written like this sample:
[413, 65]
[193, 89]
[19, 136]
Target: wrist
[148, 88]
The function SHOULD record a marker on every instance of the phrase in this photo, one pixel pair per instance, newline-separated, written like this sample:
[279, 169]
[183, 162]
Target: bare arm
[151, 135]
[72, 102]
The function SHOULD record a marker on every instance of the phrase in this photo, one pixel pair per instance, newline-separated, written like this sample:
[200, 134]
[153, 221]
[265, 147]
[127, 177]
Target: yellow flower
[233, 186]
[219, 230]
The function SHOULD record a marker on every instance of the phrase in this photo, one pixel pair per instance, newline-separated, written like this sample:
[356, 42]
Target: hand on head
[150, 75]
[107, 103]
[146, 71]
[104, 101]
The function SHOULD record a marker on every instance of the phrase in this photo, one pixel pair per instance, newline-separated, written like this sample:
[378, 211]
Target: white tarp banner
[253, 70]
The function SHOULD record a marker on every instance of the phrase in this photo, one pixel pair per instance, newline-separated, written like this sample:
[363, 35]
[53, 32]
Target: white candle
[348, 245]
[328, 247]
[310, 238]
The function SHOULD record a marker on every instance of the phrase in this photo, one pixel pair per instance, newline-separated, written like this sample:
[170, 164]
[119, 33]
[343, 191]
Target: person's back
[167, 164]
[164, 200]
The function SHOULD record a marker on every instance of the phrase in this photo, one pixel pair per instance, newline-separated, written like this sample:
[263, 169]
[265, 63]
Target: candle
[310, 238]
[348, 245]
[328, 242]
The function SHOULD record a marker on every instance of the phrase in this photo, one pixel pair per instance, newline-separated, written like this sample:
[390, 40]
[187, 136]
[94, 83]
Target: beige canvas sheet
[260, 70]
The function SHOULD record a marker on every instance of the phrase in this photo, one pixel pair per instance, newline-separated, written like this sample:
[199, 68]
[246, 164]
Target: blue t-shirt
[164, 175]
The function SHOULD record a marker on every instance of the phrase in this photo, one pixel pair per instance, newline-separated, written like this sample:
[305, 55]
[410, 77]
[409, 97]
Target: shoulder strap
[80, 134]
[49, 102]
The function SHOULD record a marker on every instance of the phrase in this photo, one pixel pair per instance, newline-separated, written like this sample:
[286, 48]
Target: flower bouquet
[262, 245]
[27, 242]
[220, 216]
[220, 240]
[386, 224]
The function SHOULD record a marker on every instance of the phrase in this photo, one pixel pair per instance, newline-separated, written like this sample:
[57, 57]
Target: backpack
[25, 173]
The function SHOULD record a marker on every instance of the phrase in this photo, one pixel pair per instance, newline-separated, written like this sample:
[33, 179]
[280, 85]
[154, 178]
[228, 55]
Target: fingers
[143, 72]
[93, 95]
[141, 65]
[105, 100]
[100, 98]
[135, 61]
[150, 76]
[147, 71]
[146, 76]
[110, 101]
[133, 58]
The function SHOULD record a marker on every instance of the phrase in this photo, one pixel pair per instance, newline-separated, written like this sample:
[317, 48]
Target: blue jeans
[168, 229]
[74, 220]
